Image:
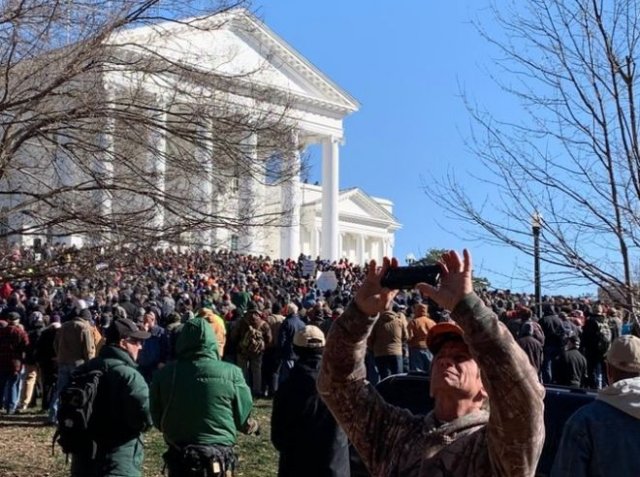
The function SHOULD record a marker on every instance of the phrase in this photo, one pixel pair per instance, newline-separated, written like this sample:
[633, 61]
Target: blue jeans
[550, 354]
[389, 365]
[10, 387]
[420, 359]
[64, 377]
[596, 376]
[372, 371]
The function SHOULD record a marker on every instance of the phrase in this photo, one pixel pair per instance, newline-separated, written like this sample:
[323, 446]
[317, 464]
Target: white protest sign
[327, 281]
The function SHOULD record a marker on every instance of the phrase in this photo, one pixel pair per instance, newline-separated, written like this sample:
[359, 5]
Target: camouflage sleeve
[516, 427]
[389, 440]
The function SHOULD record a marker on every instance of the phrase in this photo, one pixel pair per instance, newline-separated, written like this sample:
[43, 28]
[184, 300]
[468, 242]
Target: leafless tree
[110, 125]
[572, 154]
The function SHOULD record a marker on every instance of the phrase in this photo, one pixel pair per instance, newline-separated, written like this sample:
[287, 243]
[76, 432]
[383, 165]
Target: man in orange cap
[476, 361]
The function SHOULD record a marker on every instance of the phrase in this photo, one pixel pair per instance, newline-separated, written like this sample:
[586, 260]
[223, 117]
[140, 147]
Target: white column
[330, 184]
[67, 202]
[291, 198]
[318, 249]
[248, 190]
[157, 150]
[215, 231]
[204, 157]
[341, 253]
[360, 251]
[104, 171]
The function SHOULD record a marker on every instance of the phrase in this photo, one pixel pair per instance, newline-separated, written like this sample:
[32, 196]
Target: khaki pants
[28, 385]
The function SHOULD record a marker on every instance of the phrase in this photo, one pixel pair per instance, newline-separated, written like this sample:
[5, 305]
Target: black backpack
[603, 335]
[74, 431]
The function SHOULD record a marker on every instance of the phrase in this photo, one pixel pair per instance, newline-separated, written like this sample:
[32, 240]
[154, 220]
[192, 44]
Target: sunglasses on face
[134, 341]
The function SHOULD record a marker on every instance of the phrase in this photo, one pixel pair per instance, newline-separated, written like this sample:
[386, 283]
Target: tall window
[234, 243]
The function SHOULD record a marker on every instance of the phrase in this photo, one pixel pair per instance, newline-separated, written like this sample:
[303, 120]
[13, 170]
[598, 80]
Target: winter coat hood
[623, 395]
[196, 341]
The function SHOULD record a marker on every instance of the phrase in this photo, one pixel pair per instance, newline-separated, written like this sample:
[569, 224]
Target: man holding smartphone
[476, 363]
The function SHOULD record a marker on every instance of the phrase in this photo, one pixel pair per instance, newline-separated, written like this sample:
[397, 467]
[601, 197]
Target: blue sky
[406, 62]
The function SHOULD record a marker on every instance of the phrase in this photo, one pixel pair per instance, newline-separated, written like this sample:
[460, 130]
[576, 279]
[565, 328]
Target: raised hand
[371, 298]
[455, 280]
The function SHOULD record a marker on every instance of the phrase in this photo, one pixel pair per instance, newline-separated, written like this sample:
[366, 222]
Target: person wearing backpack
[120, 410]
[251, 349]
[596, 339]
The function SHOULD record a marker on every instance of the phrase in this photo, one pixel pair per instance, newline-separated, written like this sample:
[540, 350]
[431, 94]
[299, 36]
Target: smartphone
[406, 278]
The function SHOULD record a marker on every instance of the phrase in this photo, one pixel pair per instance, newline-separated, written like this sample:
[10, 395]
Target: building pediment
[355, 206]
[237, 45]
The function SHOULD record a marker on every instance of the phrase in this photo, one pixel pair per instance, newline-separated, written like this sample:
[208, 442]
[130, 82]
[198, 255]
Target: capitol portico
[317, 220]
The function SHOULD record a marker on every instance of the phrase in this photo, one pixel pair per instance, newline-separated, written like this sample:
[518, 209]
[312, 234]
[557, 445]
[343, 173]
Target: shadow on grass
[24, 420]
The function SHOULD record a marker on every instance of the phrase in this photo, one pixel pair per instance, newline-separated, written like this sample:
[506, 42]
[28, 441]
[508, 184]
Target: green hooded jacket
[122, 413]
[199, 399]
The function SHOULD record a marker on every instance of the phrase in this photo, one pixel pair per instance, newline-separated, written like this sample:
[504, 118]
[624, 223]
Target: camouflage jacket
[393, 442]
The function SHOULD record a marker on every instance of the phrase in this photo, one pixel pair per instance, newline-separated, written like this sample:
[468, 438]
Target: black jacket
[570, 368]
[303, 430]
[553, 331]
[533, 348]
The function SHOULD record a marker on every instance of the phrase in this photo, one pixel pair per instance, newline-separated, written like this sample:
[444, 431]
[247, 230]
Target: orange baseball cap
[442, 332]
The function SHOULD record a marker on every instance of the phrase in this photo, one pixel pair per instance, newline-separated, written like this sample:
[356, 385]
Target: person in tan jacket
[476, 362]
[418, 328]
[73, 345]
[386, 341]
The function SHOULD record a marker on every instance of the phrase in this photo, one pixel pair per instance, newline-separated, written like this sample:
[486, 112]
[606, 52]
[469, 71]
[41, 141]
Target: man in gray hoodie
[601, 438]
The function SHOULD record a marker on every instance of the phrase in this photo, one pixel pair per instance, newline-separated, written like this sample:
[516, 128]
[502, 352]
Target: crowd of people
[168, 329]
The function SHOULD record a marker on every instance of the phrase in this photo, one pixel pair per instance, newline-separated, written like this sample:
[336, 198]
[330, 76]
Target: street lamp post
[410, 258]
[536, 225]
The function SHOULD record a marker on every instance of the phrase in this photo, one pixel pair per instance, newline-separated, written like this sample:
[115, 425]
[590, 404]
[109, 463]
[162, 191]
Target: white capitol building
[321, 220]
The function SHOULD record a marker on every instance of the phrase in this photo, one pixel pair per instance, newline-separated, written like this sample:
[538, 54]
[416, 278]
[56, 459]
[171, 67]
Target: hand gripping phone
[406, 278]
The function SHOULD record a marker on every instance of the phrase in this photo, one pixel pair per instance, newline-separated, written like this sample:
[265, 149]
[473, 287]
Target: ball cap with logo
[624, 354]
[309, 337]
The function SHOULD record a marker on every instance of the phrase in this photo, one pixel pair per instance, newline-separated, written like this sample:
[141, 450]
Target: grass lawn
[25, 448]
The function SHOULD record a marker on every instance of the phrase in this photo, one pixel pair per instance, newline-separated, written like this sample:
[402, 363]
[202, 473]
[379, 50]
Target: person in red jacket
[13, 346]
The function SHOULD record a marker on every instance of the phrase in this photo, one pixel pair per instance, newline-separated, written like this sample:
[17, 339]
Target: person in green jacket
[121, 409]
[200, 403]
